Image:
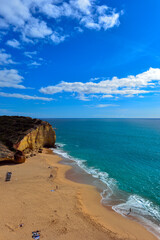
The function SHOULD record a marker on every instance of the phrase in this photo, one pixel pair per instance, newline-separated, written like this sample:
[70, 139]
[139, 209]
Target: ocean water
[125, 155]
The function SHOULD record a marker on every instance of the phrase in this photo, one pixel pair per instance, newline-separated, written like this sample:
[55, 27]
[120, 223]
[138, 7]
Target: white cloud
[30, 54]
[102, 9]
[57, 38]
[88, 22]
[14, 12]
[26, 39]
[22, 96]
[5, 58]
[37, 29]
[19, 14]
[107, 96]
[131, 85]
[52, 10]
[35, 64]
[13, 43]
[3, 23]
[82, 5]
[82, 97]
[25, 17]
[106, 105]
[10, 78]
[94, 79]
[109, 21]
[78, 29]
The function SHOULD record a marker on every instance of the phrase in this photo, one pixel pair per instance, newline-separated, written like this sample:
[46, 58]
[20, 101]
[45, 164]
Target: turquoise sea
[125, 155]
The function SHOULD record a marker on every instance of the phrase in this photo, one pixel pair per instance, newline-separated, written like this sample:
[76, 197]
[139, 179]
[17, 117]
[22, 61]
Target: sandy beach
[40, 197]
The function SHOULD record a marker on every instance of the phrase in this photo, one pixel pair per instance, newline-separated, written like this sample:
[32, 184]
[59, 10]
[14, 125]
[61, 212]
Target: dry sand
[72, 211]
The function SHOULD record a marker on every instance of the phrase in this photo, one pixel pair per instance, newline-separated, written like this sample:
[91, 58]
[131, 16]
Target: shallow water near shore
[124, 155]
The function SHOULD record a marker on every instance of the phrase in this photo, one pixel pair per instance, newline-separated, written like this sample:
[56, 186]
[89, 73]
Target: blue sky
[80, 58]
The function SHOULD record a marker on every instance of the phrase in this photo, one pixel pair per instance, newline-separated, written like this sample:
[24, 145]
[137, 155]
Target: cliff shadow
[3, 163]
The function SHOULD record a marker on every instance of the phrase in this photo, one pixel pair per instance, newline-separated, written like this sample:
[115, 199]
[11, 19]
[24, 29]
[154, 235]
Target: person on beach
[129, 211]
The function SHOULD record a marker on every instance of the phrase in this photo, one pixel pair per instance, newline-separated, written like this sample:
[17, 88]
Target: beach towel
[36, 235]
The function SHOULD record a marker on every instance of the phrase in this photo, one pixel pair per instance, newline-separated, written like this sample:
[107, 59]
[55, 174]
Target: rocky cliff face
[20, 136]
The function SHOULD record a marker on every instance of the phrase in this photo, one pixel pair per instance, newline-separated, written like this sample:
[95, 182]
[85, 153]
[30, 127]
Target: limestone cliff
[22, 135]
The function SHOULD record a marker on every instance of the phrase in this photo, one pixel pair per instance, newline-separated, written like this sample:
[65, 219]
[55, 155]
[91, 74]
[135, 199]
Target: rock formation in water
[21, 136]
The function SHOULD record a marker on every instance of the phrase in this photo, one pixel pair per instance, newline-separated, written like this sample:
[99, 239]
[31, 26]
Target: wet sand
[40, 197]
